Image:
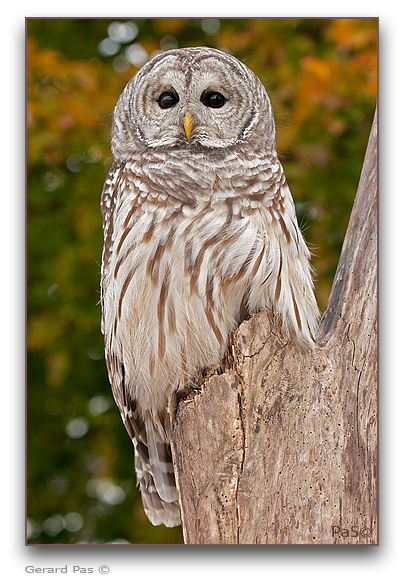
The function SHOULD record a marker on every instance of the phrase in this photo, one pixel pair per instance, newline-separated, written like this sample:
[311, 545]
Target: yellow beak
[188, 124]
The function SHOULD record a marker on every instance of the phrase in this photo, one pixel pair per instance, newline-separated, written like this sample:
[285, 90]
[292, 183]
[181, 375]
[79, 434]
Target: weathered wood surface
[282, 448]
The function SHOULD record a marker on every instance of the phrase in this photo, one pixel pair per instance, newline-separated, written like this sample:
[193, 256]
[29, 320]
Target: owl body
[199, 232]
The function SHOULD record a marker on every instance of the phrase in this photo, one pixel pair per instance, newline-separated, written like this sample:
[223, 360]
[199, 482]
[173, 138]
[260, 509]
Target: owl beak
[188, 124]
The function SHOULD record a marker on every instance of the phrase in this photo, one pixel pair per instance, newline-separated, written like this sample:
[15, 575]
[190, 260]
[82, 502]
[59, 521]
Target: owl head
[198, 98]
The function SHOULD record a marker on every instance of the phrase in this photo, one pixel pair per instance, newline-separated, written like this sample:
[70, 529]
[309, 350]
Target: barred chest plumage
[180, 273]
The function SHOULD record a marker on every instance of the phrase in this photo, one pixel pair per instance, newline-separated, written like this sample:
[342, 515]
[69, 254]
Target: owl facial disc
[193, 99]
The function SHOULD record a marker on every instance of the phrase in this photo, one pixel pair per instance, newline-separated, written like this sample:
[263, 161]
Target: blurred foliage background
[321, 75]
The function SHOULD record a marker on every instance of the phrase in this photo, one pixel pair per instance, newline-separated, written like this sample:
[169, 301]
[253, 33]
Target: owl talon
[219, 370]
[192, 385]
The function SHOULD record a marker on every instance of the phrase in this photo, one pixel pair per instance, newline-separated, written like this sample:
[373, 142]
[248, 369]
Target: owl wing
[288, 283]
[153, 462]
[108, 202]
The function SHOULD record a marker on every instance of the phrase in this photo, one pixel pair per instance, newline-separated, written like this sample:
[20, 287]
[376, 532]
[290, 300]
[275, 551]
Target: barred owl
[200, 231]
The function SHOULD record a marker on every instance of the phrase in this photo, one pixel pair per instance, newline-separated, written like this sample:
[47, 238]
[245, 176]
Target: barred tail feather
[155, 475]
[160, 459]
[157, 510]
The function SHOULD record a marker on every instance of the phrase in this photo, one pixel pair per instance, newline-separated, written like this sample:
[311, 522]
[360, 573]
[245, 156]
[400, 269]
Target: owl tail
[155, 474]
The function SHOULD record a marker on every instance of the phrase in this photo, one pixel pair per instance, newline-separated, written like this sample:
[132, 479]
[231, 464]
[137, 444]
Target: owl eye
[213, 99]
[168, 99]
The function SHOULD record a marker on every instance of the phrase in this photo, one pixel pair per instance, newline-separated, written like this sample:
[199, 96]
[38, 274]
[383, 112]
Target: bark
[282, 448]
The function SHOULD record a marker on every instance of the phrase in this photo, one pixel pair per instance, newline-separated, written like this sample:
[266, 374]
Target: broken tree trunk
[282, 448]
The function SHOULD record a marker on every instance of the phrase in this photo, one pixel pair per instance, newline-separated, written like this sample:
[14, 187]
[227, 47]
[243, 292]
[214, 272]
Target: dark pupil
[167, 99]
[214, 99]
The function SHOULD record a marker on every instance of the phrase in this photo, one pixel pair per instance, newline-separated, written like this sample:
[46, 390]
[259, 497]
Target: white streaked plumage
[199, 232]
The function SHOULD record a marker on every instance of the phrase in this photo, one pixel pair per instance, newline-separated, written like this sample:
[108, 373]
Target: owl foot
[187, 391]
[204, 374]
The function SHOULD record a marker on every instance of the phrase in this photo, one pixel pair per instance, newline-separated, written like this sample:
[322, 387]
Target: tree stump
[282, 448]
